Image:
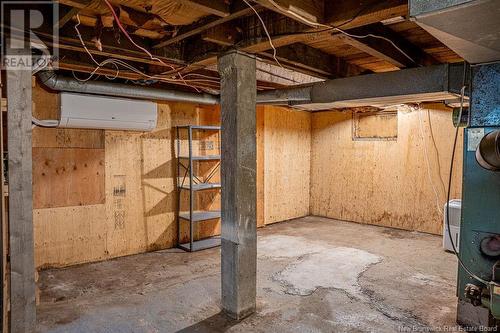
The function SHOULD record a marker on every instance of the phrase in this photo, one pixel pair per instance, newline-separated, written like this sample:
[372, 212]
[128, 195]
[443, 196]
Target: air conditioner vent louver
[102, 112]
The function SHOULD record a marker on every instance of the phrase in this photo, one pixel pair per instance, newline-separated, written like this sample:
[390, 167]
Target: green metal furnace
[479, 302]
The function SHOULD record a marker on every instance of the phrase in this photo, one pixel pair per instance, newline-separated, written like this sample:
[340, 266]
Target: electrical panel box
[103, 112]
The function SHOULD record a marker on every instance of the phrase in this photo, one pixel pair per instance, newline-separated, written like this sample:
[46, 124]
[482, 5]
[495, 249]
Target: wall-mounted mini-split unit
[102, 112]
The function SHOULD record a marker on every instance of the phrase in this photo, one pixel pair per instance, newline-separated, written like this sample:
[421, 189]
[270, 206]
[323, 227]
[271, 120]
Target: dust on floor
[314, 275]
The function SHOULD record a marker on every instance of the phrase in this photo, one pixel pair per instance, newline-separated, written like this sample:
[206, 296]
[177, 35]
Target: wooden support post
[22, 265]
[239, 193]
[3, 216]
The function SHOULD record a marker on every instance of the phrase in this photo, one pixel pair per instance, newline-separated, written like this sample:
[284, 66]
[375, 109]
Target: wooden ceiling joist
[310, 10]
[301, 56]
[214, 7]
[233, 24]
[66, 14]
[80, 4]
[348, 14]
[290, 31]
[92, 13]
[112, 48]
[387, 46]
[204, 25]
[264, 82]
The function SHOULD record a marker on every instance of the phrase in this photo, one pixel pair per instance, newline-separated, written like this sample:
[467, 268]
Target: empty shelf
[202, 186]
[202, 244]
[203, 158]
[201, 215]
[203, 128]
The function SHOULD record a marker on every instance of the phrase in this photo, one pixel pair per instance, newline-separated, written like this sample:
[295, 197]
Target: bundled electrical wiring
[194, 80]
[174, 76]
[320, 25]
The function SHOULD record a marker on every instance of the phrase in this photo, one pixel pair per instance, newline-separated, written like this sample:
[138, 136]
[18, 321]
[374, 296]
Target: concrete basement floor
[314, 275]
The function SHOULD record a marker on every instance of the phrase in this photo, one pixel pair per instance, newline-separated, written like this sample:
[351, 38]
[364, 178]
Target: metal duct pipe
[61, 83]
[431, 83]
[411, 85]
[488, 151]
[290, 96]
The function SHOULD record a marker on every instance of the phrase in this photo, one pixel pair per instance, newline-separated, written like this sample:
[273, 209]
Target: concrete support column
[239, 178]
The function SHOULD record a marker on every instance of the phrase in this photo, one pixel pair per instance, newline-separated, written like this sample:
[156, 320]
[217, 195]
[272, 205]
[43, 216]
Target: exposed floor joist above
[186, 37]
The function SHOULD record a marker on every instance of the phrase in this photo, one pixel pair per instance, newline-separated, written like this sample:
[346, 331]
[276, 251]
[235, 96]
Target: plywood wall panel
[124, 199]
[67, 177]
[138, 213]
[260, 166]
[69, 235]
[287, 137]
[143, 217]
[67, 138]
[46, 105]
[384, 182]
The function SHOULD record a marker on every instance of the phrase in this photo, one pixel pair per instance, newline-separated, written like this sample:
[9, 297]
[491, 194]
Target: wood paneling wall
[133, 177]
[307, 164]
[287, 156]
[136, 209]
[385, 183]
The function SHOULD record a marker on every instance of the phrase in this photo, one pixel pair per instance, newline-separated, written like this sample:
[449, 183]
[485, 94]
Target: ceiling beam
[264, 82]
[134, 20]
[288, 31]
[73, 64]
[204, 25]
[314, 61]
[398, 52]
[67, 64]
[285, 31]
[347, 14]
[272, 73]
[111, 48]
[66, 14]
[74, 3]
[214, 7]
[310, 10]
[297, 57]
[225, 34]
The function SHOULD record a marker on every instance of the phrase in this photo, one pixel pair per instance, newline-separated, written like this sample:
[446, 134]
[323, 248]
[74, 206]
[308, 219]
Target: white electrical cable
[267, 33]
[91, 56]
[116, 62]
[462, 97]
[45, 123]
[316, 24]
[379, 37]
[426, 153]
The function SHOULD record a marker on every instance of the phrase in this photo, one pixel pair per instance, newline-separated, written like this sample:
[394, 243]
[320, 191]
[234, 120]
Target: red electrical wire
[115, 16]
[117, 20]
